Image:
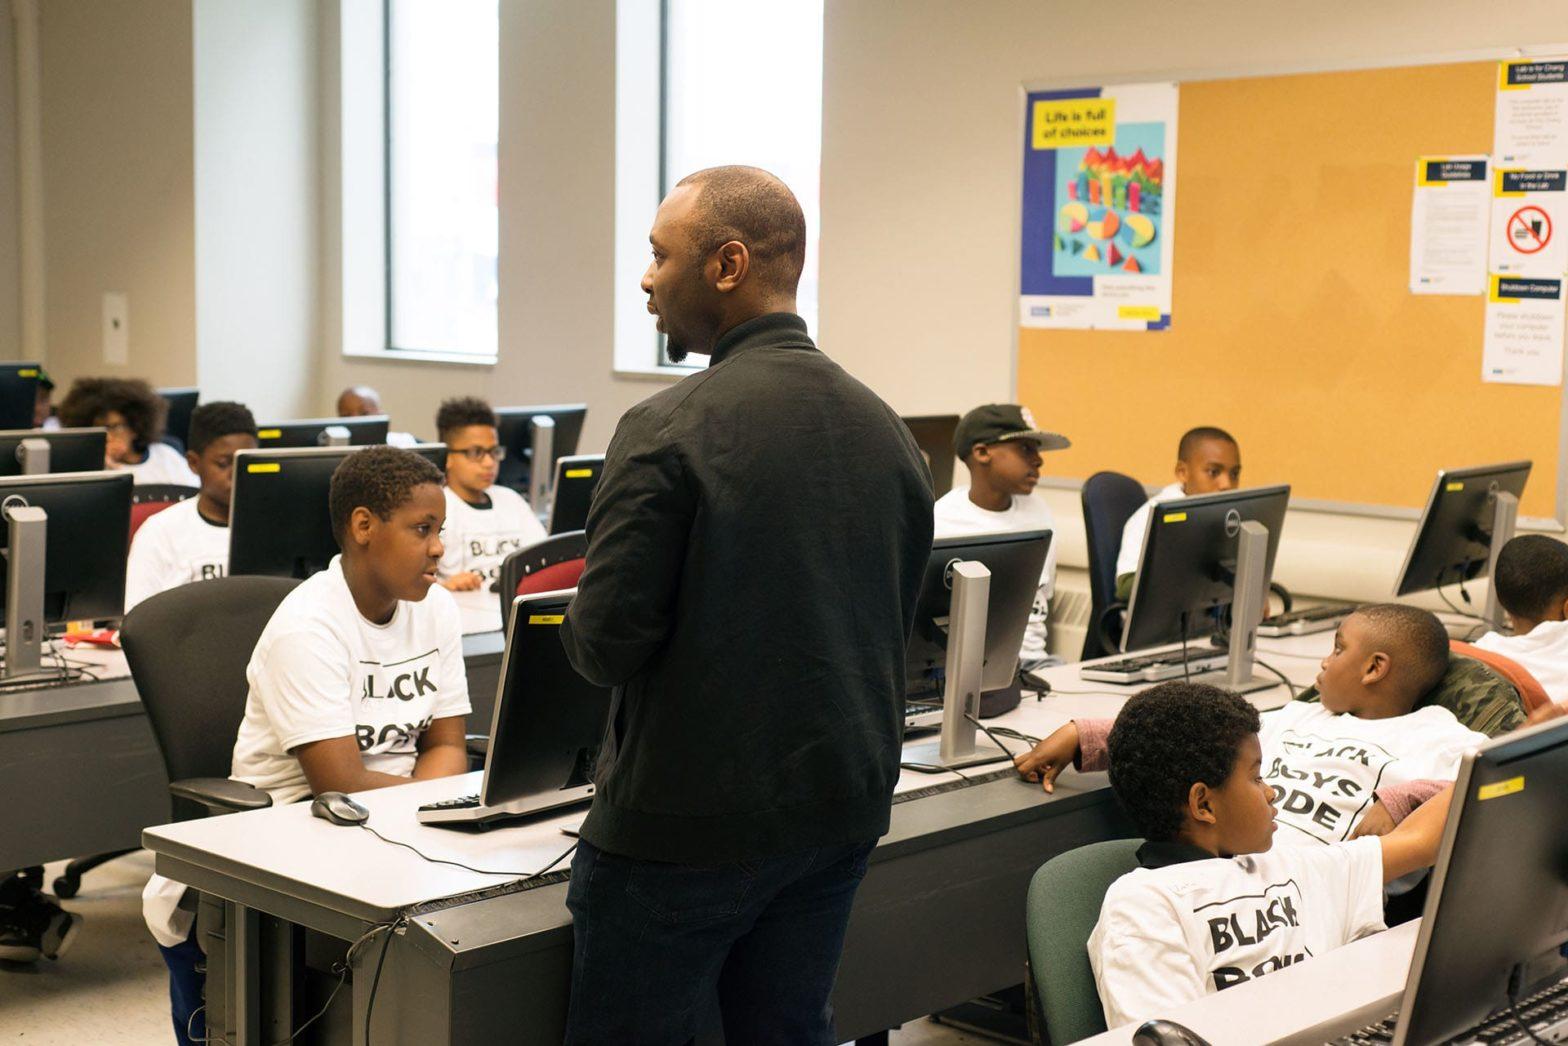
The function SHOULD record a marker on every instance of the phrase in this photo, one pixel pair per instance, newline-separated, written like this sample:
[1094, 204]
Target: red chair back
[149, 500]
[553, 578]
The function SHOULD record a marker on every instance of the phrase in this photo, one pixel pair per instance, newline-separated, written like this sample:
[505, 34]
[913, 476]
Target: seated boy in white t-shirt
[190, 541]
[1354, 763]
[357, 682]
[1000, 445]
[484, 522]
[1531, 579]
[1208, 460]
[1214, 903]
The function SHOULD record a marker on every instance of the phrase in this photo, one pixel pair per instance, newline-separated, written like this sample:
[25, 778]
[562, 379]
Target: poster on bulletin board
[1099, 208]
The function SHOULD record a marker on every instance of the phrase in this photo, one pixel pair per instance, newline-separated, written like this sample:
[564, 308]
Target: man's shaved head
[750, 206]
[358, 401]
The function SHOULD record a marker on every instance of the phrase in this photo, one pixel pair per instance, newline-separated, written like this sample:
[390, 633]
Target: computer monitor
[279, 521]
[520, 433]
[177, 421]
[1469, 517]
[318, 432]
[32, 452]
[983, 634]
[18, 394]
[548, 723]
[934, 436]
[576, 478]
[1200, 555]
[66, 538]
[1498, 901]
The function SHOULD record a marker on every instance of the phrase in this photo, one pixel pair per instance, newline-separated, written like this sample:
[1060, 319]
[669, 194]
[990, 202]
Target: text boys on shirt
[478, 539]
[1235, 919]
[175, 547]
[957, 516]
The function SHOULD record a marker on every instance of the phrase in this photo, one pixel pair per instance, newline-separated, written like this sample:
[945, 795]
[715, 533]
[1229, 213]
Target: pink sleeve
[1401, 800]
[1092, 752]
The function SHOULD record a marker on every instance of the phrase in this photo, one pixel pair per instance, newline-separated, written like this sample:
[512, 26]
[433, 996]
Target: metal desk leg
[262, 959]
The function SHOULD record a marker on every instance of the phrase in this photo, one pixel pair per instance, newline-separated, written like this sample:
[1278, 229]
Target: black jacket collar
[776, 329]
[1154, 854]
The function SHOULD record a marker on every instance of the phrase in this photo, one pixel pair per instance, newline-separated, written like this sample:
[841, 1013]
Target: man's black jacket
[755, 550]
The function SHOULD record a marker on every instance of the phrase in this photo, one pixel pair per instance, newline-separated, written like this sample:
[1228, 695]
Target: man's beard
[675, 353]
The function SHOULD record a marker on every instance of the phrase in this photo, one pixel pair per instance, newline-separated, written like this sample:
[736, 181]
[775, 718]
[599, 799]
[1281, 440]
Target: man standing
[755, 550]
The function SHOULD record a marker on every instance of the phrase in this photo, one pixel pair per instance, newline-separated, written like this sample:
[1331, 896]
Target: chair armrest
[220, 795]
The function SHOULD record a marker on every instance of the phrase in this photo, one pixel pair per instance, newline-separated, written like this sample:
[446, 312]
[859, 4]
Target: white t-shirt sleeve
[149, 569]
[1132, 539]
[1143, 966]
[304, 686]
[1348, 878]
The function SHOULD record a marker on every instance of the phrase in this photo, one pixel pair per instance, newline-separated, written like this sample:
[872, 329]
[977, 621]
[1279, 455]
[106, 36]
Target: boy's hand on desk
[467, 581]
[1378, 821]
[1046, 760]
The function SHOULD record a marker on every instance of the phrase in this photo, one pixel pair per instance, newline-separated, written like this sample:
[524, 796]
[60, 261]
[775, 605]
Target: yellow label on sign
[1497, 292]
[268, 433]
[1175, 517]
[1138, 312]
[1455, 485]
[1500, 789]
[546, 619]
[264, 466]
[579, 473]
[29, 372]
[1060, 123]
[1498, 189]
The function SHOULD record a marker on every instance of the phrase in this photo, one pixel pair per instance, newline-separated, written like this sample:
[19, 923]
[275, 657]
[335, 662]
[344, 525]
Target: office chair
[152, 498]
[1061, 908]
[1109, 500]
[550, 565]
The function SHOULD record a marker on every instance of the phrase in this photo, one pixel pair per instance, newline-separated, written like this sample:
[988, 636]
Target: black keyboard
[1306, 621]
[462, 802]
[1152, 668]
[1545, 1013]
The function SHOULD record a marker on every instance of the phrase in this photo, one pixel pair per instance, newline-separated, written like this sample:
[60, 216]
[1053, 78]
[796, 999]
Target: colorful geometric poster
[1099, 208]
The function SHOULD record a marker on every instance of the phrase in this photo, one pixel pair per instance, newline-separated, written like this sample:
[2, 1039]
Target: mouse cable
[997, 741]
[468, 867]
[1515, 986]
[341, 968]
[1290, 688]
[1007, 731]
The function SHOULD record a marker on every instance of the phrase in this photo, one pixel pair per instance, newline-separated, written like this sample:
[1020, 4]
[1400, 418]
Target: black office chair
[1109, 500]
[551, 565]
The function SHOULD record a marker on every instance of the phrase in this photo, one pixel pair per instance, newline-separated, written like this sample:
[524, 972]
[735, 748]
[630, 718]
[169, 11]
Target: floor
[111, 988]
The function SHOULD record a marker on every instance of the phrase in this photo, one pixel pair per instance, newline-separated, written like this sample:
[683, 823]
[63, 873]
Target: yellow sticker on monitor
[28, 372]
[1454, 486]
[1500, 788]
[579, 473]
[264, 466]
[268, 433]
[1174, 517]
[546, 619]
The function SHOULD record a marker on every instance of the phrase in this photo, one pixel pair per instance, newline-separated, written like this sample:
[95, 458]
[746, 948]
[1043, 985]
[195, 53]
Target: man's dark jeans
[653, 941]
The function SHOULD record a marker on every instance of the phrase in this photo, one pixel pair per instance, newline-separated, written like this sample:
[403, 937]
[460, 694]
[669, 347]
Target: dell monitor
[934, 436]
[33, 452]
[524, 432]
[18, 394]
[547, 726]
[1497, 910]
[180, 403]
[576, 478]
[974, 605]
[1200, 555]
[1470, 515]
[65, 559]
[279, 521]
[324, 432]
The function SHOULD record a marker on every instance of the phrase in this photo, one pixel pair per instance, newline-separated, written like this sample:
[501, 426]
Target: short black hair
[213, 421]
[1532, 576]
[1166, 740]
[756, 208]
[462, 412]
[1414, 638]
[378, 478]
[134, 399]
[1202, 434]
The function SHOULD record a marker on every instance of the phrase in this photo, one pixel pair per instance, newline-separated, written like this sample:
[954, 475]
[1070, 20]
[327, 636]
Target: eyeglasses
[477, 454]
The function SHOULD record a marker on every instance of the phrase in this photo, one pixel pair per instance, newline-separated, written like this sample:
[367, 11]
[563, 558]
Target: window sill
[457, 359]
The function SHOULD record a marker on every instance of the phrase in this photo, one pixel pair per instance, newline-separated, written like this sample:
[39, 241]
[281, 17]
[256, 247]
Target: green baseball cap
[999, 423]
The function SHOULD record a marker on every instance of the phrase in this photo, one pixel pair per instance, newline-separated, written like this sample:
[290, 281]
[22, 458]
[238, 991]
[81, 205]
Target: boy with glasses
[484, 522]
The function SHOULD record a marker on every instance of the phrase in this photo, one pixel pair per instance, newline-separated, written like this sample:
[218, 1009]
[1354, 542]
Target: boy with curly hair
[133, 414]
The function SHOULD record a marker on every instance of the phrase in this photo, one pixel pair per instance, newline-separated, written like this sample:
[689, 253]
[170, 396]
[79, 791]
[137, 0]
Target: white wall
[256, 186]
[10, 246]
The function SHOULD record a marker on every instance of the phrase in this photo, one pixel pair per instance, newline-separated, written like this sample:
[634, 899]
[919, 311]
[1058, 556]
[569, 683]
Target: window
[442, 219]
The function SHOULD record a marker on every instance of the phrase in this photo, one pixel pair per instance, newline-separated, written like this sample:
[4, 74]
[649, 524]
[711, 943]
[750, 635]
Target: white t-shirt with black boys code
[1167, 936]
[321, 670]
[477, 538]
[172, 548]
[957, 516]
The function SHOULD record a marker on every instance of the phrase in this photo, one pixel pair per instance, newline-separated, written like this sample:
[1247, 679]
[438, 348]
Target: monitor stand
[32, 454]
[1249, 596]
[966, 625]
[541, 465]
[28, 533]
[1505, 520]
[335, 436]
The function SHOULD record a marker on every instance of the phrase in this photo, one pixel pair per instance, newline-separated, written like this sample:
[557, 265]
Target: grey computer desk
[81, 770]
[939, 918]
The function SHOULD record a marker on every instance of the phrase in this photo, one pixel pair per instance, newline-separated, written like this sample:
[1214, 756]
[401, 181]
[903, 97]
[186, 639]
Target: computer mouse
[1034, 681]
[1166, 1033]
[339, 809]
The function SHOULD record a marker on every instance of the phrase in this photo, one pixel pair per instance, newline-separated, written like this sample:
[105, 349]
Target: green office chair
[1062, 907]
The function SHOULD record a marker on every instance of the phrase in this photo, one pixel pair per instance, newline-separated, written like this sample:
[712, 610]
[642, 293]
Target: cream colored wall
[10, 246]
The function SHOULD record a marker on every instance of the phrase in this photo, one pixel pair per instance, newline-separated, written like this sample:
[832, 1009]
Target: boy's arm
[146, 570]
[1082, 742]
[443, 749]
[1394, 804]
[334, 765]
[1413, 845]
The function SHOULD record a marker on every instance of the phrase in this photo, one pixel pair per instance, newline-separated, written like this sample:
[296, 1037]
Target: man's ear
[979, 454]
[193, 459]
[733, 265]
[361, 522]
[1376, 668]
[1200, 804]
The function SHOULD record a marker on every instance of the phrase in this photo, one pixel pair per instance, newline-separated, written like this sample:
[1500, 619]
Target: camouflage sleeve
[1124, 586]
